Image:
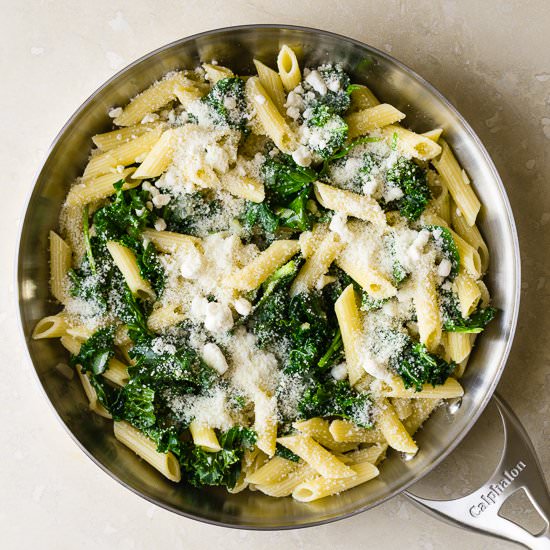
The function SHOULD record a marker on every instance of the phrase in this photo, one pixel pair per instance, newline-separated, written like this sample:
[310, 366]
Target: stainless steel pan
[426, 109]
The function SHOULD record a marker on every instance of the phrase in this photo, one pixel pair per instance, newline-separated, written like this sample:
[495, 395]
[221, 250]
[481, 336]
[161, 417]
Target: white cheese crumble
[242, 306]
[317, 82]
[444, 268]
[160, 224]
[214, 357]
[217, 317]
[338, 224]
[115, 112]
[339, 372]
[302, 156]
[191, 263]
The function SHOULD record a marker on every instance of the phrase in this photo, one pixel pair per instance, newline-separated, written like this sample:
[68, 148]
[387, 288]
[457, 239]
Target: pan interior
[392, 83]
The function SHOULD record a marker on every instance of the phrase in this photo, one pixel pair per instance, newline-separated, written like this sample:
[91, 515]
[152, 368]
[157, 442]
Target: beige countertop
[490, 58]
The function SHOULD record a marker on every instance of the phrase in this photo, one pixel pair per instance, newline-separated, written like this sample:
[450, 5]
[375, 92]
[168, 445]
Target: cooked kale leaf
[411, 179]
[221, 468]
[453, 320]
[227, 101]
[417, 366]
[332, 398]
[95, 352]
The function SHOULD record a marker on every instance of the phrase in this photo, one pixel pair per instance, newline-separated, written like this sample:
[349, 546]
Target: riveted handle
[518, 468]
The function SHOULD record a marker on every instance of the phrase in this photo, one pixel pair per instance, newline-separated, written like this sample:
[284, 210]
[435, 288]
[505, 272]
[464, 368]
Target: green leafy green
[137, 405]
[283, 452]
[95, 352]
[333, 352]
[453, 320]
[417, 366]
[474, 324]
[411, 179]
[260, 214]
[221, 468]
[296, 215]
[283, 177]
[444, 239]
[228, 91]
[331, 398]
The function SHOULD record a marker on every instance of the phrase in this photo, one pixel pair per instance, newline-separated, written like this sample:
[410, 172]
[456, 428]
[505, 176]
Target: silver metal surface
[425, 109]
[518, 468]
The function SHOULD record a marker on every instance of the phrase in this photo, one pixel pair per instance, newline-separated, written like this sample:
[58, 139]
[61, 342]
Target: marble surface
[489, 58]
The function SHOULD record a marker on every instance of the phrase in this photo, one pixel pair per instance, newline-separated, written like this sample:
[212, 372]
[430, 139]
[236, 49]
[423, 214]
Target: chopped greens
[444, 239]
[227, 102]
[417, 366]
[411, 179]
[95, 352]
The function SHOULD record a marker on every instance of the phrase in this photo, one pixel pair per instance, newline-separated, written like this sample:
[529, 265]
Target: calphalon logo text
[496, 489]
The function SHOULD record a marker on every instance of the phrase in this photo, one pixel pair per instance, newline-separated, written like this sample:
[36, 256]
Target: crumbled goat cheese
[214, 357]
[393, 193]
[444, 268]
[339, 372]
[334, 85]
[338, 224]
[218, 317]
[317, 82]
[149, 117]
[198, 307]
[302, 156]
[150, 188]
[191, 263]
[415, 250]
[161, 200]
[230, 103]
[242, 306]
[115, 112]
[160, 224]
[260, 99]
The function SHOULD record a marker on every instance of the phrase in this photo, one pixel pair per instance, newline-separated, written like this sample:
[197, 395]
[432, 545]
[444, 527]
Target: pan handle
[518, 468]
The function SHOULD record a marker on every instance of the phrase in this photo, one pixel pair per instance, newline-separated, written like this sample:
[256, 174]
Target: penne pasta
[321, 460]
[259, 269]
[126, 262]
[393, 430]
[451, 388]
[271, 120]
[121, 156]
[349, 203]
[272, 83]
[349, 322]
[320, 487]
[204, 437]
[365, 121]
[110, 140]
[155, 97]
[60, 263]
[100, 187]
[458, 183]
[415, 145]
[318, 429]
[166, 463]
[289, 69]
[317, 264]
